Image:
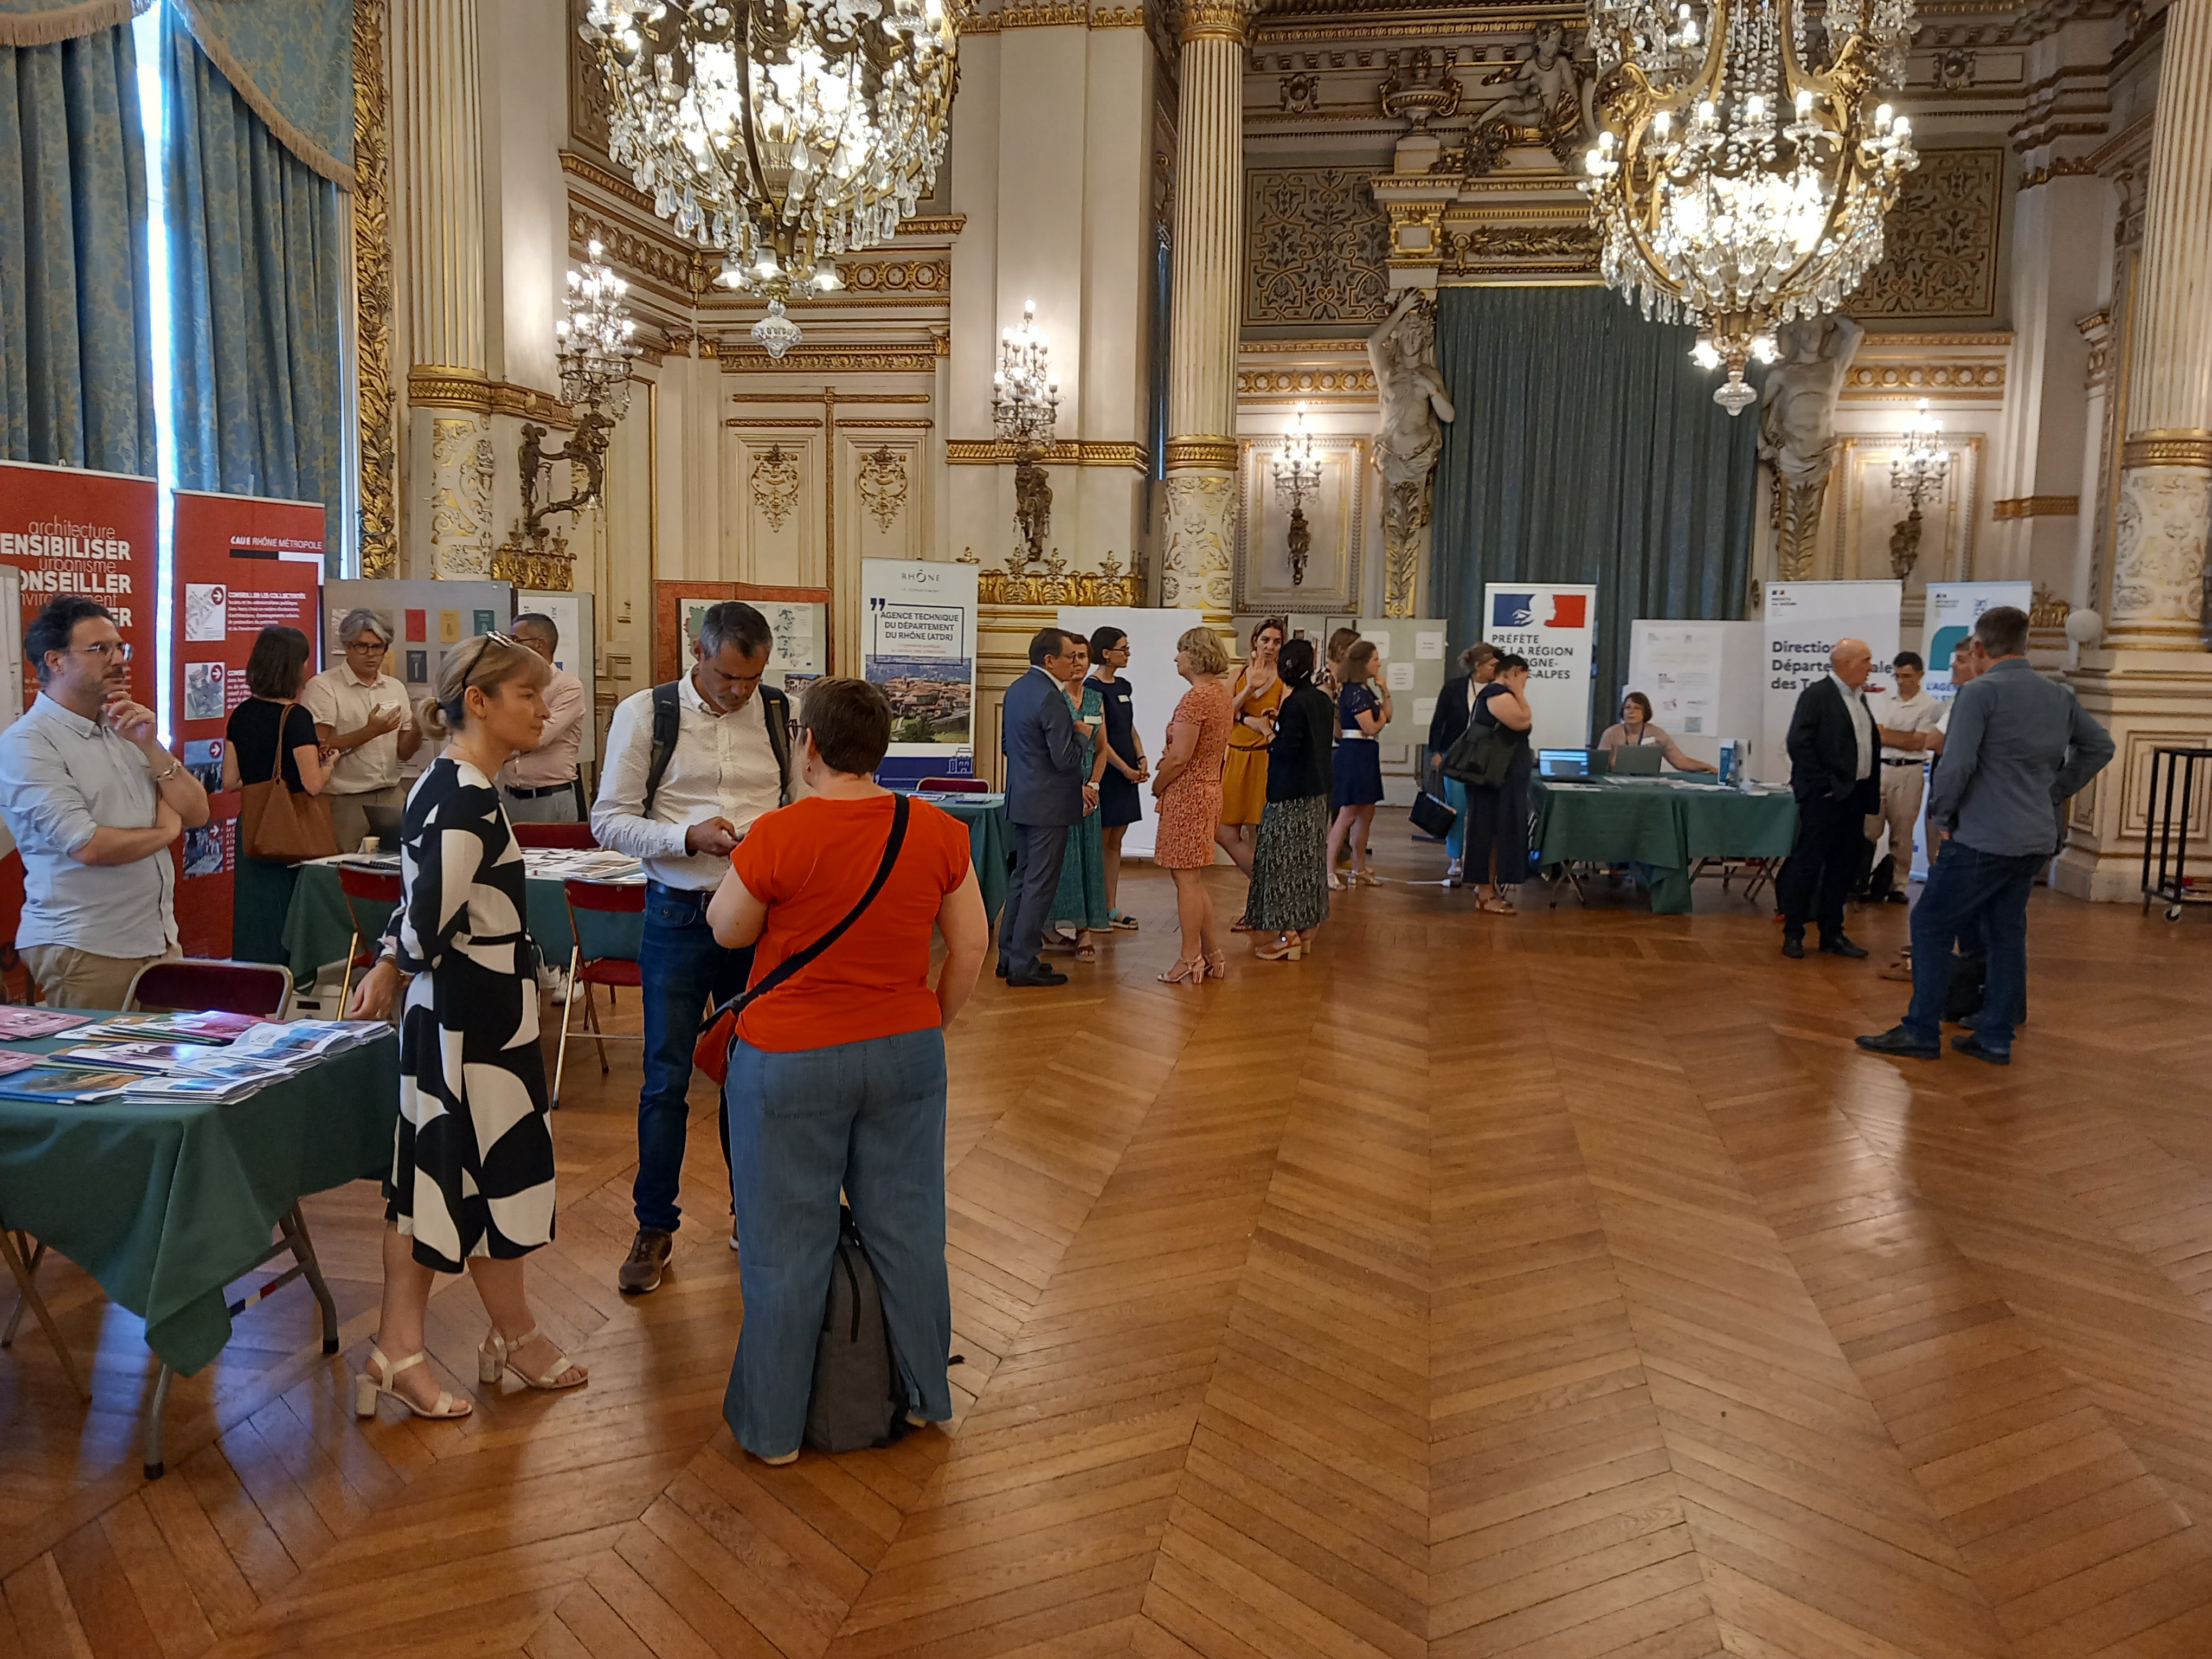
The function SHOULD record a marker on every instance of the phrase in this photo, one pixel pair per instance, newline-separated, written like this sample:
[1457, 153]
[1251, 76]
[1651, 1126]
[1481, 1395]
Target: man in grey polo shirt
[2015, 745]
[93, 801]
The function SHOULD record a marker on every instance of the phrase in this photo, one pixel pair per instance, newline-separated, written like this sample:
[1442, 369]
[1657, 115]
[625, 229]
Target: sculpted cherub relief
[1548, 101]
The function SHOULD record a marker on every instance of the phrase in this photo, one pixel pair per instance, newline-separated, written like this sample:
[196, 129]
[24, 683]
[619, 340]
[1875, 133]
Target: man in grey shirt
[93, 801]
[2016, 744]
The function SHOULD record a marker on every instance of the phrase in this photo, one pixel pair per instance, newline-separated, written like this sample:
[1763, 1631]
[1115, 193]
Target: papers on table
[213, 1027]
[305, 1040]
[64, 1085]
[587, 864]
[16, 1061]
[18, 1023]
[214, 1069]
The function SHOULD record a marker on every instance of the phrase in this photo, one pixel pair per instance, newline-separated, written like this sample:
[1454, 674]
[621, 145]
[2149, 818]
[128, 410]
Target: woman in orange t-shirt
[836, 1077]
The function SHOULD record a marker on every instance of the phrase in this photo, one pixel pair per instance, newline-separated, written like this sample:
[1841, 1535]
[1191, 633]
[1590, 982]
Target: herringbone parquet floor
[1560, 1285]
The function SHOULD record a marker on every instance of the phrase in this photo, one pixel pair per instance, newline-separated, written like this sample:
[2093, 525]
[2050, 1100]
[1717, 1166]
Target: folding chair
[1756, 872]
[202, 985]
[371, 897]
[22, 1254]
[605, 952]
[957, 785]
[564, 837]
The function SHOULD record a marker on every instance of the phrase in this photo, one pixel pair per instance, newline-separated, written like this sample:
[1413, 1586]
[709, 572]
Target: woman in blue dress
[1120, 804]
[1362, 712]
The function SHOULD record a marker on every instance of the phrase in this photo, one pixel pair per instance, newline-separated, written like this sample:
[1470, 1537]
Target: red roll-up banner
[243, 563]
[93, 533]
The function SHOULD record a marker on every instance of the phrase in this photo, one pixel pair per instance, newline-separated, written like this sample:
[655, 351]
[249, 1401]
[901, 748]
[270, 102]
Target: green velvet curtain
[257, 286]
[77, 346]
[1587, 448]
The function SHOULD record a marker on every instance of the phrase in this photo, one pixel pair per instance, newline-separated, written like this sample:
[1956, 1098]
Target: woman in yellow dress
[1257, 691]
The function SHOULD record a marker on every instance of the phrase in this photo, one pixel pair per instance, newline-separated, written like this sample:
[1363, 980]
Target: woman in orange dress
[1254, 695]
[1187, 786]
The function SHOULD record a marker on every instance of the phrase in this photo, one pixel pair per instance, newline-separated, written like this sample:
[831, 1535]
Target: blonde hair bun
[485, 661]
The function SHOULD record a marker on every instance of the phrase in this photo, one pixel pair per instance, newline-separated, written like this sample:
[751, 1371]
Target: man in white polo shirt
[93, 801]
[1905, 716]
[362, 712]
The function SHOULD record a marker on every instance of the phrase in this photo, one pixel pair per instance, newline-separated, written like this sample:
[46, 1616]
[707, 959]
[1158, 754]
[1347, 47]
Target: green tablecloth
[1661, 826]
[985, 818]
[163, 1203]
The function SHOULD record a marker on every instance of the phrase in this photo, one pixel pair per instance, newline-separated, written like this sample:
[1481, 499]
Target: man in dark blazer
[1833, 751]
[1045, 793]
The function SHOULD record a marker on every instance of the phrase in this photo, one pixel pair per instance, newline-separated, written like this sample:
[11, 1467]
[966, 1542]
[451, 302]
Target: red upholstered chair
[370, 896]
[199, 986]
[607, 918]
[957, 785]
[566, 837]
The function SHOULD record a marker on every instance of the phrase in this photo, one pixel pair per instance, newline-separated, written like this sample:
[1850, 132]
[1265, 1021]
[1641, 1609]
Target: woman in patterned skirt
[1187, 786]
[1290, 861]
[471, 1179]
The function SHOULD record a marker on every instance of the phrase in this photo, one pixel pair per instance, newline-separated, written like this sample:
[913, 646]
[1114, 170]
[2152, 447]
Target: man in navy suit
[1833, 745]
[1045, 793]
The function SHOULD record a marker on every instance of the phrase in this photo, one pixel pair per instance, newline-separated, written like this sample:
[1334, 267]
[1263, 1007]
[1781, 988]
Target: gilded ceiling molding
[752, 360]
[1205, 453]
[2083, 168]
[1214, 20]
[1045, 14]
[2169, 448]
[1319, 382]
[1878, 342]
[375, 407]
[458, 388]
[1346, 346]
[1941, 257]
[2036, 507]
[1118, 17]
[1068, 452]
[1983, 378]
[856, 399]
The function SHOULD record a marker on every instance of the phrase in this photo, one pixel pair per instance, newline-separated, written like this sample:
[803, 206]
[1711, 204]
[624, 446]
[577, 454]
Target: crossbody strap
[797, 961]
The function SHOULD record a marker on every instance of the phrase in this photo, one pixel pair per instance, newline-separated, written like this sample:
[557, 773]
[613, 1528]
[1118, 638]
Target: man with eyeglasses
[94, 802]
[688, 767]
[362, 713]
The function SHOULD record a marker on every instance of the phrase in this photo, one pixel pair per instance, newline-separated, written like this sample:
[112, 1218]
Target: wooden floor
[1564, 1284]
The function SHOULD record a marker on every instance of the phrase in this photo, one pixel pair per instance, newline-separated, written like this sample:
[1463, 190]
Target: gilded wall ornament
[1194, 566]
[881, 485]
[1055, 584]
[375, 407]
[1942, 241]
[1405, 512]
[774, 481]
[1317, 247]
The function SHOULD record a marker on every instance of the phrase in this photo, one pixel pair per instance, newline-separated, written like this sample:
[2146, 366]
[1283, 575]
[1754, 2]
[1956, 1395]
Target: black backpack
[667, 718]
[858, 1398]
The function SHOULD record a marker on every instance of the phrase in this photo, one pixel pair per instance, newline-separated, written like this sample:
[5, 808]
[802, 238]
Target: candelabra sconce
[1297, 480]
[595, 349]
[1024, 411]
[1915, 476]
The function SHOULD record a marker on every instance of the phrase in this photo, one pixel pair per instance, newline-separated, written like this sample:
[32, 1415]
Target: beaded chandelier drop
[1741, 177]
[782, 132]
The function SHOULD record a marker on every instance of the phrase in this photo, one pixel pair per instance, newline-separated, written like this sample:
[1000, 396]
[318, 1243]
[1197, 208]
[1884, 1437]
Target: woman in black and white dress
[471, 1179]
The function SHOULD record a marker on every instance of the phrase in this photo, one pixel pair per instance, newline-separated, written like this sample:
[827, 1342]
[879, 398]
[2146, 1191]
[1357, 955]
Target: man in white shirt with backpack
[690, 766]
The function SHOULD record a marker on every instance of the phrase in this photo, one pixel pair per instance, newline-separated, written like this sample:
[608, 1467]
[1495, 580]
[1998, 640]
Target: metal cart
[2174, 774]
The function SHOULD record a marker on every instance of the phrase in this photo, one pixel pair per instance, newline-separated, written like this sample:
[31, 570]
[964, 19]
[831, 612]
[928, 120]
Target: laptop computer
[1639, 762]
[1563, 763]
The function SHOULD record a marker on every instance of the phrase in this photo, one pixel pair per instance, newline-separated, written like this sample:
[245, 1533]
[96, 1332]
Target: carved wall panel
[1942, 241]
[1858, 548]
[882, 506]
[1336, 568]
[587, 91]
[775, 470]
[1316, 248]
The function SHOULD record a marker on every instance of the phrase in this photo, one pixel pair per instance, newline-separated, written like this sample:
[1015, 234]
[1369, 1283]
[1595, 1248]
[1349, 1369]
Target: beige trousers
[1901, 787]
[77, 979]
[351, 822]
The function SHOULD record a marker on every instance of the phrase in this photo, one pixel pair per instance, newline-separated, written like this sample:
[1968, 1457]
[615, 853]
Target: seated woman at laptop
[1635, 730]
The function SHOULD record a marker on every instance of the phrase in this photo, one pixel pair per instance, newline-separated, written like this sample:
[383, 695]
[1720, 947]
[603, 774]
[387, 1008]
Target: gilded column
[1208, 268]
[438, 130]
[2157, 597]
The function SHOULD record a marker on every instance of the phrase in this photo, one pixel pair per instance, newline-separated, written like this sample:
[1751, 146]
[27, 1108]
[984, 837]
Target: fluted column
[1208, 255]
[2157, 597]
[438, 149]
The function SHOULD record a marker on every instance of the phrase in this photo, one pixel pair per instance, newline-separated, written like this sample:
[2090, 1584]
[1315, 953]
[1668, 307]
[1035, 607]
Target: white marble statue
[1415, 401]
[1546, 89]
[1797, 405]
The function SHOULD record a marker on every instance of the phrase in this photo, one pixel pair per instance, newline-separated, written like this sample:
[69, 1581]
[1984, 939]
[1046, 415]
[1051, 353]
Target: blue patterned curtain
[76, 350]
[1587, 448]
[256, 290]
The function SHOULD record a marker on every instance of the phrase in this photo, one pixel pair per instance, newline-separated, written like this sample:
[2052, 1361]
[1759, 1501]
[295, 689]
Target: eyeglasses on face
[112, 650]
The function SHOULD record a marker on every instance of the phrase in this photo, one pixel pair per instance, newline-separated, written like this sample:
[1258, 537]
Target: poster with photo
[203, 692]
[918, 642]
[204, 760]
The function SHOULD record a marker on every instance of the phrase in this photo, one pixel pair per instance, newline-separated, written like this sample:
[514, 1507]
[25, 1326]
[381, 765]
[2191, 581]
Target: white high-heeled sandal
[498, 1354]
[367, 1385]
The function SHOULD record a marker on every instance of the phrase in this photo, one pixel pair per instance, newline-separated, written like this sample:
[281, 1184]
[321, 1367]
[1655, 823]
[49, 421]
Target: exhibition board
[1802, 622]
[1554, 626]
[1411, 661]
[1706, 681]
[798, 617]
[918, 643]
[424, 620]
[577, 651]
[70, 530]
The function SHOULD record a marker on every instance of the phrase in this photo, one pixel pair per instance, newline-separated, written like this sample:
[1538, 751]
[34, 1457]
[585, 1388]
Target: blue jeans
[1971, 892]
[684, 971]
[868, 1117]
[1455, 837]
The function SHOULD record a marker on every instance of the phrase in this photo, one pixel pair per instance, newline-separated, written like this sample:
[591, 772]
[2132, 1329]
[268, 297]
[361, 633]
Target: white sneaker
[554, 982]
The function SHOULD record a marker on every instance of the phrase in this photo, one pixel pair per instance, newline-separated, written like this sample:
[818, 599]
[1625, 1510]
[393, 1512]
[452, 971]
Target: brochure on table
[1704, 678]
[918, 642]
[427, 619]
[1155, 689]
[70, 531]
[578, 651]
[1554, 627]
[243, 563]
[1410, 660]
[1953, 608]
[1803, 622]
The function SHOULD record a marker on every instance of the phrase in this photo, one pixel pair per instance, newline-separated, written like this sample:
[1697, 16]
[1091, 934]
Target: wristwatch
[175, 767]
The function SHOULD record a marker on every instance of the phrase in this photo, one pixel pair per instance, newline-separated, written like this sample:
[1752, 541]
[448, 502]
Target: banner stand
[1554, 627]
[918, 642]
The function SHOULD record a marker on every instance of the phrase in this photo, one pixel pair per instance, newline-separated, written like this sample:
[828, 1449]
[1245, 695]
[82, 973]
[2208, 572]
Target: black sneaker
[1793, 946]
[649, 1261]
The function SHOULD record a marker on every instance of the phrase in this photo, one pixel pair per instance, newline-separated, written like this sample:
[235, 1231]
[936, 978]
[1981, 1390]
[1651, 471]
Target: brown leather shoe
[649, 1261]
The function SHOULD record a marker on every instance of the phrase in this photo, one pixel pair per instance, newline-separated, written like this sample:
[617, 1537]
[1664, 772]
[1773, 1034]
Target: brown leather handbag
[280, 826]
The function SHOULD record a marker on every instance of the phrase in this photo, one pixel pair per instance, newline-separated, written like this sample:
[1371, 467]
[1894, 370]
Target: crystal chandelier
[1298, 477]
[1025, 409]
[1741, 179]
[1915, 474]
[783, 132]
[593, 343]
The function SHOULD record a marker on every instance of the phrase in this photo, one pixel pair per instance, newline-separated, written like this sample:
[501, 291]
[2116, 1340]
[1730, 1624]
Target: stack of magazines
[205, 1057]
[581, 864]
